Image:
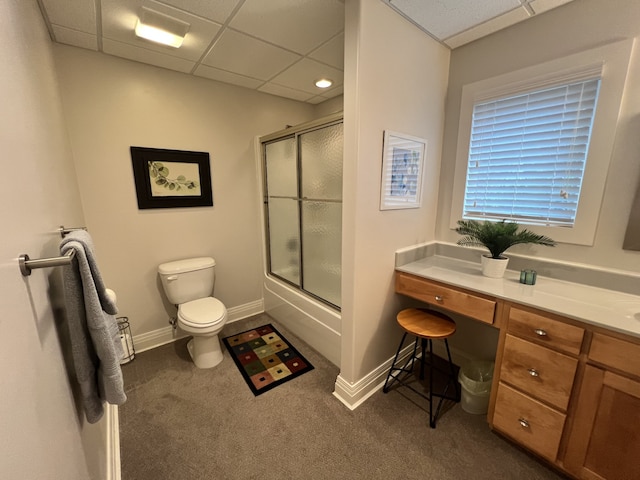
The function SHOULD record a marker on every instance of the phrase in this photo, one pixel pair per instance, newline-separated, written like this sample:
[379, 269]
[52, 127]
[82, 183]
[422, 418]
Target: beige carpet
[182, 423]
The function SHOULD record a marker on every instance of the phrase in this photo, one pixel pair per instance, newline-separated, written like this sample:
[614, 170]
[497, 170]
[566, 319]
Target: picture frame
[171, 178]
[402, 171]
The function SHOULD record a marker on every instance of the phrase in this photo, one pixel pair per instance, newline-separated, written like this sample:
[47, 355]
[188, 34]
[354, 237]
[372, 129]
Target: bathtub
[312, 321]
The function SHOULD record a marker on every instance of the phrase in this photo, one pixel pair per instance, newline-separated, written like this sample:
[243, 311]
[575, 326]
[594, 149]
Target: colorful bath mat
[265, 358]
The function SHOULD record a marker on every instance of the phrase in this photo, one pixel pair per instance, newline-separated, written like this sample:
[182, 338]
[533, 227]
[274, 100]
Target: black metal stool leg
[451, 378]
[423, 345]
[406, 368]
[432, 418]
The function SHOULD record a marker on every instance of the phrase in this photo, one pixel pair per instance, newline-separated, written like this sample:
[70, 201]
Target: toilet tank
[188, 279]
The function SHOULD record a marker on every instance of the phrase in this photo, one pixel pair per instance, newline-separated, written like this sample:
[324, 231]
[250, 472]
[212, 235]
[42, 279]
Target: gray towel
[95, 339]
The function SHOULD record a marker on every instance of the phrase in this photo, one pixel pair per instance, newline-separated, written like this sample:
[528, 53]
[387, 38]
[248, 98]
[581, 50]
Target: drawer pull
[533, 372]
[540, 332]
[523, 423]
[438, 298]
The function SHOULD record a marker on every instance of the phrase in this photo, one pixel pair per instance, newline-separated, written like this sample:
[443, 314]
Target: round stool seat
[425, 323]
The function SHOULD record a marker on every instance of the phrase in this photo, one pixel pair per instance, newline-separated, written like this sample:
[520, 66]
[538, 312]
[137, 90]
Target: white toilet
[188, 284]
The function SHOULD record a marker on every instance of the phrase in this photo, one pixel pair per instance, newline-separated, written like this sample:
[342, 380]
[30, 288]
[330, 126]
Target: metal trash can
[127, 340]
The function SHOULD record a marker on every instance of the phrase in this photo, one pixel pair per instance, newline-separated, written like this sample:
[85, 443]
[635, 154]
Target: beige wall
[395, 79]
[111, 104]
[577, 26]
[41, 429]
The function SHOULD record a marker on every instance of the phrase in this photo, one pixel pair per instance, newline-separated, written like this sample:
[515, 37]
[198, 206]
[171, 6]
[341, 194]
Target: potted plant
[497, 237]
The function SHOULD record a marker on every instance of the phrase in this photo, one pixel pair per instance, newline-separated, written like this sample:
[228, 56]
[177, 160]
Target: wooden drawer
[456, 300]
[616, 353]
[528, 422]
[545, 331]
[538, 371]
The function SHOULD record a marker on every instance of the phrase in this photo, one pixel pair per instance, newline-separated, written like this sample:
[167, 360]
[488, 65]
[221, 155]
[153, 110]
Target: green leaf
[497, 237]
[181, 178]
[163, 171]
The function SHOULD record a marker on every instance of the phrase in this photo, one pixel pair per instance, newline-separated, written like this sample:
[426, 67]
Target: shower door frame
[294, 132]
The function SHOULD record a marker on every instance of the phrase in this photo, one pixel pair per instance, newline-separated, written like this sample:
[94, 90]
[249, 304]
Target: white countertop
[597, 306]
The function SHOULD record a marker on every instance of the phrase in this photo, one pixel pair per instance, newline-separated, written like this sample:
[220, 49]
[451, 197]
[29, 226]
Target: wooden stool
[425, 325]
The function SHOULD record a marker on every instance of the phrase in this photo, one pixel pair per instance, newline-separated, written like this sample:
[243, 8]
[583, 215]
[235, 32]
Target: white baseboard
[352, 395]
[245, 311]
[113, 443]
[162, 336]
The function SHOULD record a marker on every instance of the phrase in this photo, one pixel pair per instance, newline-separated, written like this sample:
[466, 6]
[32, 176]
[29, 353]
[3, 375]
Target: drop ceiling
[279, 47]
[457, 22]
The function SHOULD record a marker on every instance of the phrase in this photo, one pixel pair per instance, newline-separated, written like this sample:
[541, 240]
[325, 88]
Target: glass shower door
[321, 204]
[303, 182]
[282, 201]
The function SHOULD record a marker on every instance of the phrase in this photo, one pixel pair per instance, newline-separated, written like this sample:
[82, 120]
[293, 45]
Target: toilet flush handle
[172, 278]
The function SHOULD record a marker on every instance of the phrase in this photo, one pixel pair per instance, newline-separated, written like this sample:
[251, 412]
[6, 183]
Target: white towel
[95, 339]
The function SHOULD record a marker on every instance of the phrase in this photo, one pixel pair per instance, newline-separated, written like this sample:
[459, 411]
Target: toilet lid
[204, 312]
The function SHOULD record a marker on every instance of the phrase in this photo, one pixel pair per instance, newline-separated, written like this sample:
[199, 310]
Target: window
[534, 145]
[527, 154]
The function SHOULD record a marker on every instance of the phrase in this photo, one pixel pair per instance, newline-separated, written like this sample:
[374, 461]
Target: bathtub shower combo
[302, 192]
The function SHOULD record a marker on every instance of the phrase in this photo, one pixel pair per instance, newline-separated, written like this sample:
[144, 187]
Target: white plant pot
[493, 267]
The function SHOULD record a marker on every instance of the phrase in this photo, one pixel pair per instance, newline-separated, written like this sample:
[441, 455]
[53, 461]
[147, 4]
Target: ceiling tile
[333, 92]
[298, 25]
[303, 75]
[281, 91]
[324, 97]
[540, 6]
[316, 100]
[444, 18]
[79, 16]
[119, 19]
[227, 77]
[218, 10]
[146, 56]
[487, 28]
[240, 53]
[331, 53]
[75, 38]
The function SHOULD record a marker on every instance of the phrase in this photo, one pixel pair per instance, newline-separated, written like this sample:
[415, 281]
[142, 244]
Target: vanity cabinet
[535, 378]
[566, 390]
[604, 442]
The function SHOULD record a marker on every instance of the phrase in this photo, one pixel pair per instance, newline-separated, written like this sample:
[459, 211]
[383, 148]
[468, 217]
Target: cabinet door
[605, 438]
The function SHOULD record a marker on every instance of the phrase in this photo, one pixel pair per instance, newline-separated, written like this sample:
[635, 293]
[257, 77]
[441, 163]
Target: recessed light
[323, 83]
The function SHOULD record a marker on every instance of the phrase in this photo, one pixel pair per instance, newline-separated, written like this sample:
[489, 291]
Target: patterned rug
[265, 358]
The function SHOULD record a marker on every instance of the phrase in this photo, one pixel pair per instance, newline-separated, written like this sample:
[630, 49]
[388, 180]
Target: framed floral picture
[171, 178]
[402, 166]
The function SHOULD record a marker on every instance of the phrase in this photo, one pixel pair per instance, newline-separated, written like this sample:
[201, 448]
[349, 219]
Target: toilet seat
[202, 313]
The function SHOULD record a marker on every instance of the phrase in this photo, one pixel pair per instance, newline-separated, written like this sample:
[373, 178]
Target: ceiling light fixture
[323, 83]
[160, 28]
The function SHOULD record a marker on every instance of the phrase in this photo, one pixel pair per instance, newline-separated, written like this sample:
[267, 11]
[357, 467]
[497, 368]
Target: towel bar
[64, 231]
[26, 264]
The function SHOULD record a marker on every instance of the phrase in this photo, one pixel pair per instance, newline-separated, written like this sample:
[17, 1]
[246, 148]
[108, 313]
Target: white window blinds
[527, 154]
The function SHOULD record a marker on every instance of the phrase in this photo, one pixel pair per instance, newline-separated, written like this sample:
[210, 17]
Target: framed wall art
[402, 167]
[171, 178]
